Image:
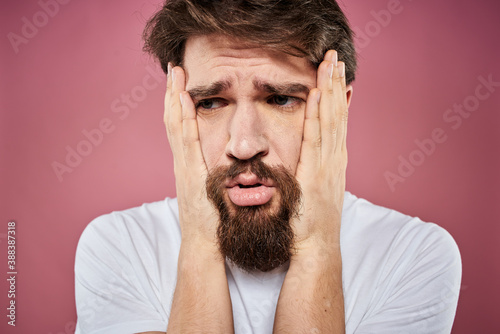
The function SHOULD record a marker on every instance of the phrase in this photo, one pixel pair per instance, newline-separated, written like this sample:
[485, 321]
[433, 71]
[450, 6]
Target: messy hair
[303, 28]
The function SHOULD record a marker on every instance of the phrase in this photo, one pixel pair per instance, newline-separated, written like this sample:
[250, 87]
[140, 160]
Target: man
[262, 236]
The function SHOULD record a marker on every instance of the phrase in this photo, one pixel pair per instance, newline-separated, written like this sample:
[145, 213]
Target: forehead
[211, 58]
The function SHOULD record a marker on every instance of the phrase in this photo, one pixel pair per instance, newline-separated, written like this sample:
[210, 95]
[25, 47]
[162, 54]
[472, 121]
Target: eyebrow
[281, 89]
[217, 87]
[209, 90]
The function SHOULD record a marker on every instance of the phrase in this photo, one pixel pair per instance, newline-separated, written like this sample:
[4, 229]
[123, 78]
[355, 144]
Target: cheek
[287, 141]
[212, 141]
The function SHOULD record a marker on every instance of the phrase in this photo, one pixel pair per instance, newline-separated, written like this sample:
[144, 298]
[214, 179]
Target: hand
[323, 159]
[311, 298]
[201, 276]
[198, 218]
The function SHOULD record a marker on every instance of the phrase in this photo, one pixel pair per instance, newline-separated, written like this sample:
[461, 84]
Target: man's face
[250, 105]
[246, 118]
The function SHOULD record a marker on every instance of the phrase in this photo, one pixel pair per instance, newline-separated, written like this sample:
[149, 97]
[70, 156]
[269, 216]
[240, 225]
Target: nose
[247, 133]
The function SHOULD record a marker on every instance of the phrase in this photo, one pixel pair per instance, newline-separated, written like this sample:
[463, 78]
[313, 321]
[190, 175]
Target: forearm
[311, 298]
[201, 301]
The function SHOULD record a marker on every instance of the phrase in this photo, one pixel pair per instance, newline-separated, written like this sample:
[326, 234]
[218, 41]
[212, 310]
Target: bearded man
[262, 236]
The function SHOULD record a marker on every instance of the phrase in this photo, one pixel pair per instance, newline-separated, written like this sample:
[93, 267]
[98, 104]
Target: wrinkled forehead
[211, 45]
[209, 58]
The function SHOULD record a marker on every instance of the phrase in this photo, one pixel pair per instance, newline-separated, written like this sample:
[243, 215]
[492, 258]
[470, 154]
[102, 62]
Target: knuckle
[338, 80]
[333, 126]
[345, 115]
[317, 143]
[173, 128]
[173, 104]
[330, 89]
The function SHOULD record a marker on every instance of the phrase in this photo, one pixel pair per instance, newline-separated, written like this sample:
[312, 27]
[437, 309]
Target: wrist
[316, 253]
[324, 241]
[199, 251]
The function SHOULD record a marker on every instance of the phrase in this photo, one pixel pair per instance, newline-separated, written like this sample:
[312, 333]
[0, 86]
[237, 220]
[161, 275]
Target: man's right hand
[201, 301]
[198, 218]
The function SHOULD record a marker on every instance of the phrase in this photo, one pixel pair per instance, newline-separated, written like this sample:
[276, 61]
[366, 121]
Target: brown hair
[303, 28]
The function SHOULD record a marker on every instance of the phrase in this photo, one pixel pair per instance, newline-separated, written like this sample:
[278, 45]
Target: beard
[256, 237]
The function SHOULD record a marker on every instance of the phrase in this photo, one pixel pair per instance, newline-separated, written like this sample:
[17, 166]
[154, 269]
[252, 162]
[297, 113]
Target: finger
[310, 152]
[178, 85]
[333, 109]
[174, 113]
[193, 155]
[168, 110]
[341, 108]
[328, 122]
[331, 55]
[167, 94]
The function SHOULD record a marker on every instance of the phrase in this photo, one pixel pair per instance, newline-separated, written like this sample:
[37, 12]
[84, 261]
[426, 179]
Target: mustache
[218, 175]
[288, 185]
[254, 165]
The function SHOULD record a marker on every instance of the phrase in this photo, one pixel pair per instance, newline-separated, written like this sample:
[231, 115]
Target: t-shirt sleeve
[418, 290]
[109, 295]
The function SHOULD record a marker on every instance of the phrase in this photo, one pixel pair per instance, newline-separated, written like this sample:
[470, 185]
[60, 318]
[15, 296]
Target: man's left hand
[321, 170]
[311, 298]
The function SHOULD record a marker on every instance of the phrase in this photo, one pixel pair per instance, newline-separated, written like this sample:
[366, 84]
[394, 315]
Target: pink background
[71, 74]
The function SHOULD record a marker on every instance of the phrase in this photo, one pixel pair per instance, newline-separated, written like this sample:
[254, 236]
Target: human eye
[209, 104]
[284, 101]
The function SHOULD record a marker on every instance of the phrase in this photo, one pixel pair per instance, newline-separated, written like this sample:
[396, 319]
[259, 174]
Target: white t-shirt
[400, 275]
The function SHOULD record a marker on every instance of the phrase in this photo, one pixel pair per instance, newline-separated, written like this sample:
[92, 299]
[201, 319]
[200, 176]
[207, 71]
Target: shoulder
[143, 221]
[148, 214]
[405, 272]
[118, 283]
[375, 224]
[385, 235]
[129, 237]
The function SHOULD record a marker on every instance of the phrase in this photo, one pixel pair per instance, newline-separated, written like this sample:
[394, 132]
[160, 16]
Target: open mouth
[249, 185]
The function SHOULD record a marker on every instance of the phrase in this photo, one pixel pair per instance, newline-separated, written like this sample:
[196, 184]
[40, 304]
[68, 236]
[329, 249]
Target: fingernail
[335, 58]
[318, 96]
[330, 71]
[169, 68]
[173, 74]
[342, 70]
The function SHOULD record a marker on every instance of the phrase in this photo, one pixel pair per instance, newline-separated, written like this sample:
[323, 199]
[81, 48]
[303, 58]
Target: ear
[348, 92]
